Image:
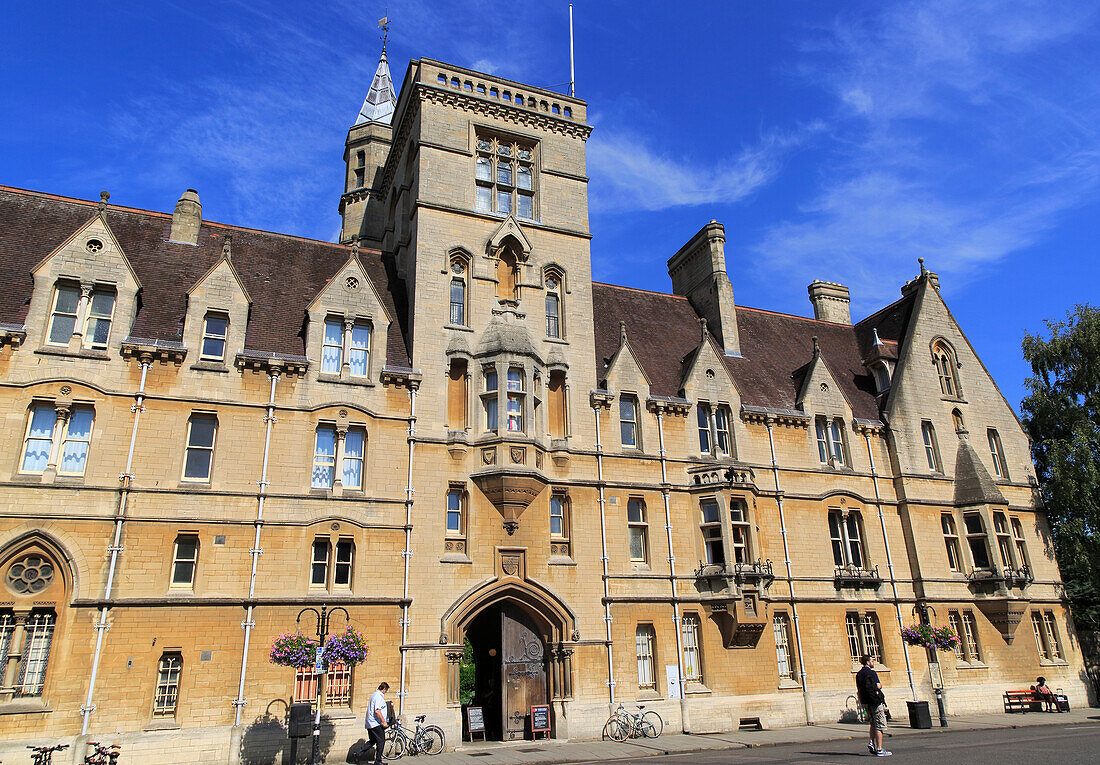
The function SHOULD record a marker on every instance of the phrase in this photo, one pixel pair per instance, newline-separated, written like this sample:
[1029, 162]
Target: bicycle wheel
[395, 745]
[615, 729]
[652, 725]
[432, 740]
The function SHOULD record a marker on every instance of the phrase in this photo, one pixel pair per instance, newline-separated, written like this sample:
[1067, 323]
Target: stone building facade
[443, 425]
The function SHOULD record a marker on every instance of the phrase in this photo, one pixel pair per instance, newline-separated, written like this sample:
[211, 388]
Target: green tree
[1062, 417]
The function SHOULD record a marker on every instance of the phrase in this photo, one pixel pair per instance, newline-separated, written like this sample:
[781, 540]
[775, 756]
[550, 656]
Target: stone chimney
[698, 273]
[187, 218]
[831, 302]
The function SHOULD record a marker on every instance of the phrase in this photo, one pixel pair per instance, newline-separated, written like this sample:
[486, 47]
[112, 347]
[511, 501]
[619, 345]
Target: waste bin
[919, 715]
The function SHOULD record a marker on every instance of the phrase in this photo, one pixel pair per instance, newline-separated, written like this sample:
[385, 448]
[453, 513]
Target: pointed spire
[381, 98]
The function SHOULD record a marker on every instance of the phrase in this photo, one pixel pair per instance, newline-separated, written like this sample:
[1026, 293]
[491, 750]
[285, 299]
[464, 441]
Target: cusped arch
[554, 618]
[18, 542]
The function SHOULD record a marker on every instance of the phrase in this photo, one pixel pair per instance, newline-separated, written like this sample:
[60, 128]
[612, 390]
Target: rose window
[30, 574]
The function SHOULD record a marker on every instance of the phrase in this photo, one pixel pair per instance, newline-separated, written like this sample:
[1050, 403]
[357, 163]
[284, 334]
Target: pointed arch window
[459, 267]
[997, 452]
[166, 696]
[943, 357]
[553, 283]
[507, 276]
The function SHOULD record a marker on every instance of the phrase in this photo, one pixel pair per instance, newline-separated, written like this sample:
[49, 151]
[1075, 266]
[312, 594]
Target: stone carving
[489, 456]
[509, 564]
[518, 454]
[576, 635]
[538, 459]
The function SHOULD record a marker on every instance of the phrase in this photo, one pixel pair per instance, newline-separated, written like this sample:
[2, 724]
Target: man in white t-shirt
[376, 721]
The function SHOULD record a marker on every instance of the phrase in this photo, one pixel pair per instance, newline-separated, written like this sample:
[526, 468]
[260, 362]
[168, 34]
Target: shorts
[877, 717]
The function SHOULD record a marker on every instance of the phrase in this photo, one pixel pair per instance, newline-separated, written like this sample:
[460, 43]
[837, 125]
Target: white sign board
[672, 678]
[319, 662]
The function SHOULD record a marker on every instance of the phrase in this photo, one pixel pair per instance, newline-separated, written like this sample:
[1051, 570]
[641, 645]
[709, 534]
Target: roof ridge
[639, 289]
[159, 214]
[792, 316]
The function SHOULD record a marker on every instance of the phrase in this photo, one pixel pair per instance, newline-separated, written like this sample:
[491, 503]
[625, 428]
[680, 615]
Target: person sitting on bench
[1046, 694]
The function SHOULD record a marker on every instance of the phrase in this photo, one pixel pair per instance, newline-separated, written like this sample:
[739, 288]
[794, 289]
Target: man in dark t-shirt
[870, 694]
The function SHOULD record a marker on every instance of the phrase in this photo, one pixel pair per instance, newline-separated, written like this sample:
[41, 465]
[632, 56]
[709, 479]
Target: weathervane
[384, 25]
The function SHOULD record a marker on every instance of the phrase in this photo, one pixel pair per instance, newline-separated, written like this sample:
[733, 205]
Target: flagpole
[572, 75]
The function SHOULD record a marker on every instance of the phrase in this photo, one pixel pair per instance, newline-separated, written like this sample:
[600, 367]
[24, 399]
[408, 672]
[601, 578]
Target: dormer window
[830, 441]
[504, 176]
[63, 317]
[359, 354]
[214, 329]
[70, 302]
[98, 328]
[332, 347]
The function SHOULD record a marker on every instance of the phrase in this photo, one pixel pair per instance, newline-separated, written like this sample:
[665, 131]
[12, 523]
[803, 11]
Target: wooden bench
[1033, 701]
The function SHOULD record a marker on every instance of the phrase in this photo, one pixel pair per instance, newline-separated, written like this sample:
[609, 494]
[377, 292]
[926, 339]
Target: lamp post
[921, 610]
[322, 635]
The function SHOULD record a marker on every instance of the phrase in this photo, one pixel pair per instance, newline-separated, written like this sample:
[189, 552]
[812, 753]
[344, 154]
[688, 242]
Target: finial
[817, 347]
[874, 334]
[355, 247]
[622, 333]
[103, 197]
[227, 246]
[703, 329]
[923, 270]
[384, 25]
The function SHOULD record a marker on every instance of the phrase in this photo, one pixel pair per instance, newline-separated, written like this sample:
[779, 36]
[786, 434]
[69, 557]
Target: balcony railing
[1019, 577]
[756, 572]
[856, 576]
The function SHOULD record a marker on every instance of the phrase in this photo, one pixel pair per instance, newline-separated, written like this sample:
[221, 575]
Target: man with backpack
[874, 702]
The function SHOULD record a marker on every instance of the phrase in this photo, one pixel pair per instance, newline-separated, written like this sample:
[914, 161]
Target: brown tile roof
[663, 330]
[281, 273]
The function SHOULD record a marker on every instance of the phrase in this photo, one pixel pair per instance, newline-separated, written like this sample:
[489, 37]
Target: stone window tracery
[30, 574]
[504, 177]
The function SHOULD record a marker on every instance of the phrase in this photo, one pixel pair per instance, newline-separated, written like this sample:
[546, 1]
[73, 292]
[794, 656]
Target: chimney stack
[698, 272]
[831, 302]
[187, 218]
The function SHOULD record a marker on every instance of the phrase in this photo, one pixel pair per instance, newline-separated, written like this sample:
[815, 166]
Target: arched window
[459, 268]
[553, 283]
[166, 696]
[944, 359]
[507, 267]
[957, 419]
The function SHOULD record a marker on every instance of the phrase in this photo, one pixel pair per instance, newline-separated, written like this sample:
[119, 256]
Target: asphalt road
[1063, 744]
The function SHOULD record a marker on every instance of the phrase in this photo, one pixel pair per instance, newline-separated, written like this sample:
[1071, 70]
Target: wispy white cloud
[966, 131]
[629, 174]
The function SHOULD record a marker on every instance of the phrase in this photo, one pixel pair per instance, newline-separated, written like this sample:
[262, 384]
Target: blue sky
[839, 141]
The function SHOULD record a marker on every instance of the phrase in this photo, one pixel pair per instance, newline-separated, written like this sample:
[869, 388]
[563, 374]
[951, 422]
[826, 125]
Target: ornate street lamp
[321, 668]
[921, 610]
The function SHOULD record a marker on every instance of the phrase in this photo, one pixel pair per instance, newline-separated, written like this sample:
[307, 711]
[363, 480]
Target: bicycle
[401, 741]
[103, 755]
[623, 724]
[43, 755]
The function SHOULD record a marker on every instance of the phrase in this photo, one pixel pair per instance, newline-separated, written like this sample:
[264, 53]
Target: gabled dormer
[85, 293]
[217, 314]
[626, 378]
[347, 326]
[822, 398]
[707, 384]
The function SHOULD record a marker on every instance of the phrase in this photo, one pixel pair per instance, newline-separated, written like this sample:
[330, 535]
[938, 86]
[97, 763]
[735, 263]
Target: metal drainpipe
[256, 551]
[671, 560]
[790, 580]
[124, 491]
[603, 559]
[890, 564]
[407, 553]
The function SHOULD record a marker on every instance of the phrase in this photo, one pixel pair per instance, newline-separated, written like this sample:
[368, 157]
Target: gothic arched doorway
[511, 672]
[520, 636]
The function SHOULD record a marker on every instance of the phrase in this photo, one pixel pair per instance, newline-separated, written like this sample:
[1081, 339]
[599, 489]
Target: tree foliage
[1062, 417]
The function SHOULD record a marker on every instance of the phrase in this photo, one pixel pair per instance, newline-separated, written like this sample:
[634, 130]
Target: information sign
[319, 662]
[475, 722]
[540, 719]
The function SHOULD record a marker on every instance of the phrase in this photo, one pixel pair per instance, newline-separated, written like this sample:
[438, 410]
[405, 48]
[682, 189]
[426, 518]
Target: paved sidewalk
[539, 752]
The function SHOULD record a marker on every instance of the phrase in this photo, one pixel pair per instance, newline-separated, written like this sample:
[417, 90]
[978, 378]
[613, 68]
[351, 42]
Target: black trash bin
[919, 715]
[300, 720]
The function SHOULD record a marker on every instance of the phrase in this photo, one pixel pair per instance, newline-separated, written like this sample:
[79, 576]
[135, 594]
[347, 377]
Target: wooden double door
[511, 669]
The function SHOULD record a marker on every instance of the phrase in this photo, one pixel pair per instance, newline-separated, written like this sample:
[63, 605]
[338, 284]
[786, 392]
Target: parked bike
[102, 755]
[43, 755]
[401, 741]
[623, 724]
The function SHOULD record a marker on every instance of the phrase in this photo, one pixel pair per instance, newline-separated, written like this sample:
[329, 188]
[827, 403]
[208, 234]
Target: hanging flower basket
[348, 646]
[927, 636]
[293, 649]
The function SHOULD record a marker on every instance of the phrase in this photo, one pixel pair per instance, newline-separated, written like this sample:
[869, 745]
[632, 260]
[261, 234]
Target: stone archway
[518, 632]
